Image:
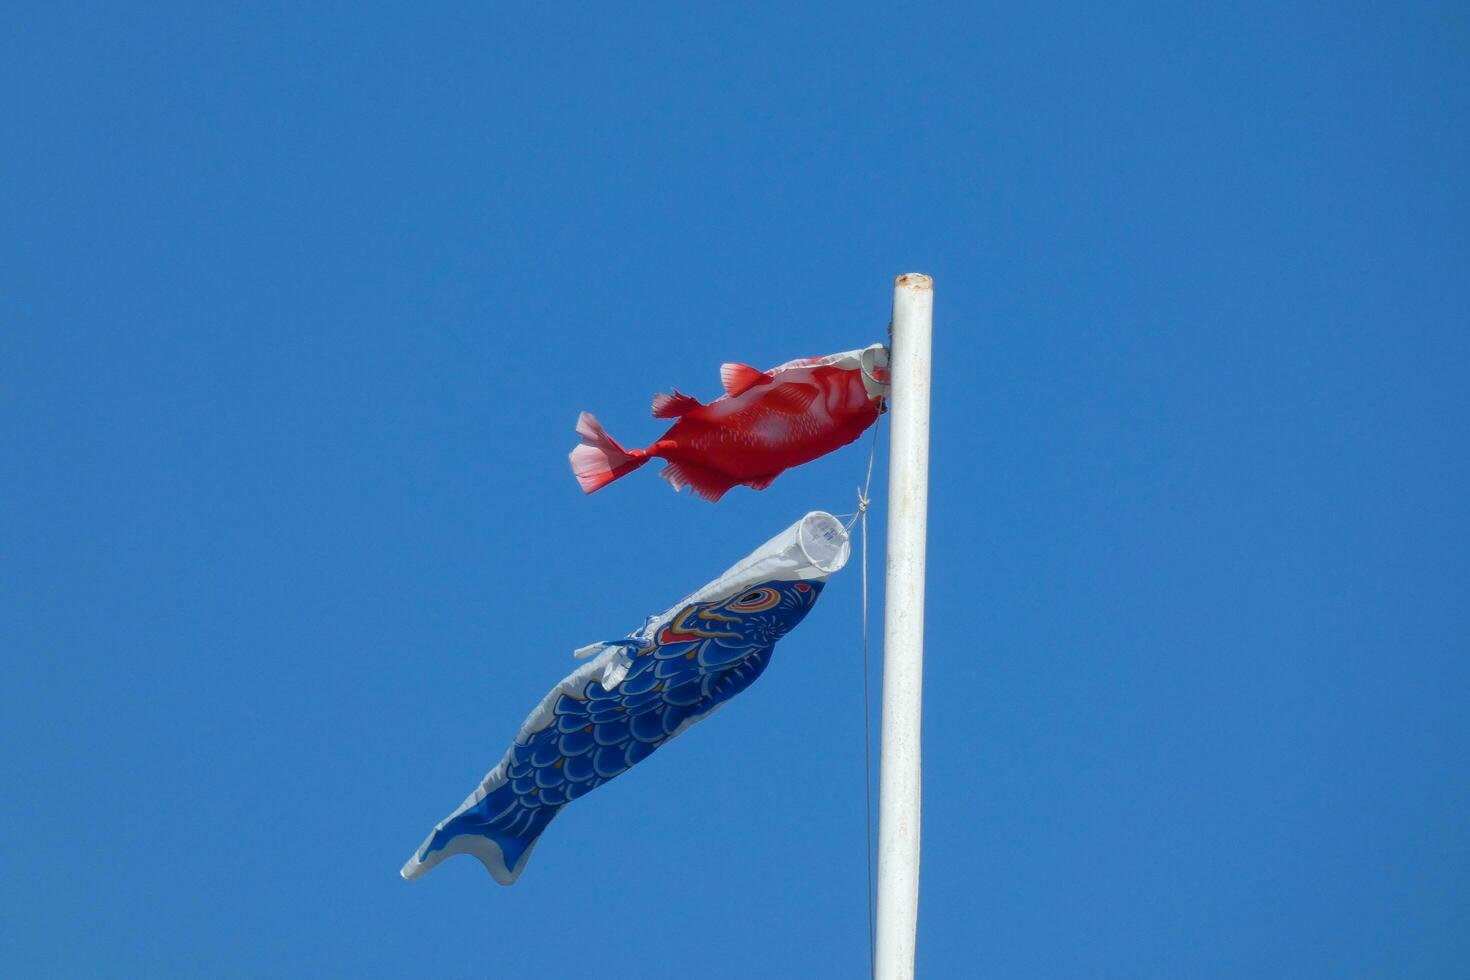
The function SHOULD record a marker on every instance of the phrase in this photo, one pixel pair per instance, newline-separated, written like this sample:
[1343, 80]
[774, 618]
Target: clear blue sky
[297, 308]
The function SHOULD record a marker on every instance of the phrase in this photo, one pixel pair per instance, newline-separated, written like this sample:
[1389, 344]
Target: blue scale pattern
[706, 655]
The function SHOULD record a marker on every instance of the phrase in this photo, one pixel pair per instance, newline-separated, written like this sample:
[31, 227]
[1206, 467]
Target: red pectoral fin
[674, 406]
[789, 398]
[760, 483]
[706, 483]
[740, 378]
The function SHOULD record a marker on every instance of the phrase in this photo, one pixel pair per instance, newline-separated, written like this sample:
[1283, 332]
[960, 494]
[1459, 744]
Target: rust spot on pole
[914, 280]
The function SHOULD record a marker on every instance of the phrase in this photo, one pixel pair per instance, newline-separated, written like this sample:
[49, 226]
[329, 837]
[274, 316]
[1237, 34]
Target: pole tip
[914, 280]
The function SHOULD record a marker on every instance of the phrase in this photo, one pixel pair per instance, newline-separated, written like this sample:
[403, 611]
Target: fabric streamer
[637, 693]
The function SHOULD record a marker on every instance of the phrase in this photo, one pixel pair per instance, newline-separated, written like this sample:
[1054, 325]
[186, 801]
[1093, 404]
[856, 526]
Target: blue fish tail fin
[503, 843]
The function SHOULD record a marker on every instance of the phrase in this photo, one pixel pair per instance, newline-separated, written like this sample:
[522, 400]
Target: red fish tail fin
[599, 460]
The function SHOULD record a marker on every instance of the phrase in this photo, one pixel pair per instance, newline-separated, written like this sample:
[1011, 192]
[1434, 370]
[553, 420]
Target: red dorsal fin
[675, 405]
[789, 398]
[740, 378]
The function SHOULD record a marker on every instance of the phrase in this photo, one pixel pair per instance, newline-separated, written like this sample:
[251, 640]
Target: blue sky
[299, 304]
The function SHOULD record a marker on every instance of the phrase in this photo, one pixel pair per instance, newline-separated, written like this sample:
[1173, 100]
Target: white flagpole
[903, 628]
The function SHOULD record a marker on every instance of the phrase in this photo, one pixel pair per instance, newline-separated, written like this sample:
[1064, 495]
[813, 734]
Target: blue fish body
[613, 713]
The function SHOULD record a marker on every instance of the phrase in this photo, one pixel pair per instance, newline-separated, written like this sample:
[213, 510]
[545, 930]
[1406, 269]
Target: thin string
[862, 494]
[862, 515]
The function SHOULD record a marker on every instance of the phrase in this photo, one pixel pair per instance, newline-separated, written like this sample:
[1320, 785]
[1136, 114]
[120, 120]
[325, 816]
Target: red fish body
[766, 423]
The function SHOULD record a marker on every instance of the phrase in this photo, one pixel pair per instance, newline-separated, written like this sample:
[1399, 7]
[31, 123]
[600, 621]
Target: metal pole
[903, 628]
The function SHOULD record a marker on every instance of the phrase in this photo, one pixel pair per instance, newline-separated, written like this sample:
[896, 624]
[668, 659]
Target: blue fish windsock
[635, 694]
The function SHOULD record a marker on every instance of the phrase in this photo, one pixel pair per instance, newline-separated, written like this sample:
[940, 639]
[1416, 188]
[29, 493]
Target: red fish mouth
[874, 366]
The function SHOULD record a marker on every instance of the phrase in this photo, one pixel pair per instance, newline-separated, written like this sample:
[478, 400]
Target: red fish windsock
[766, 423]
